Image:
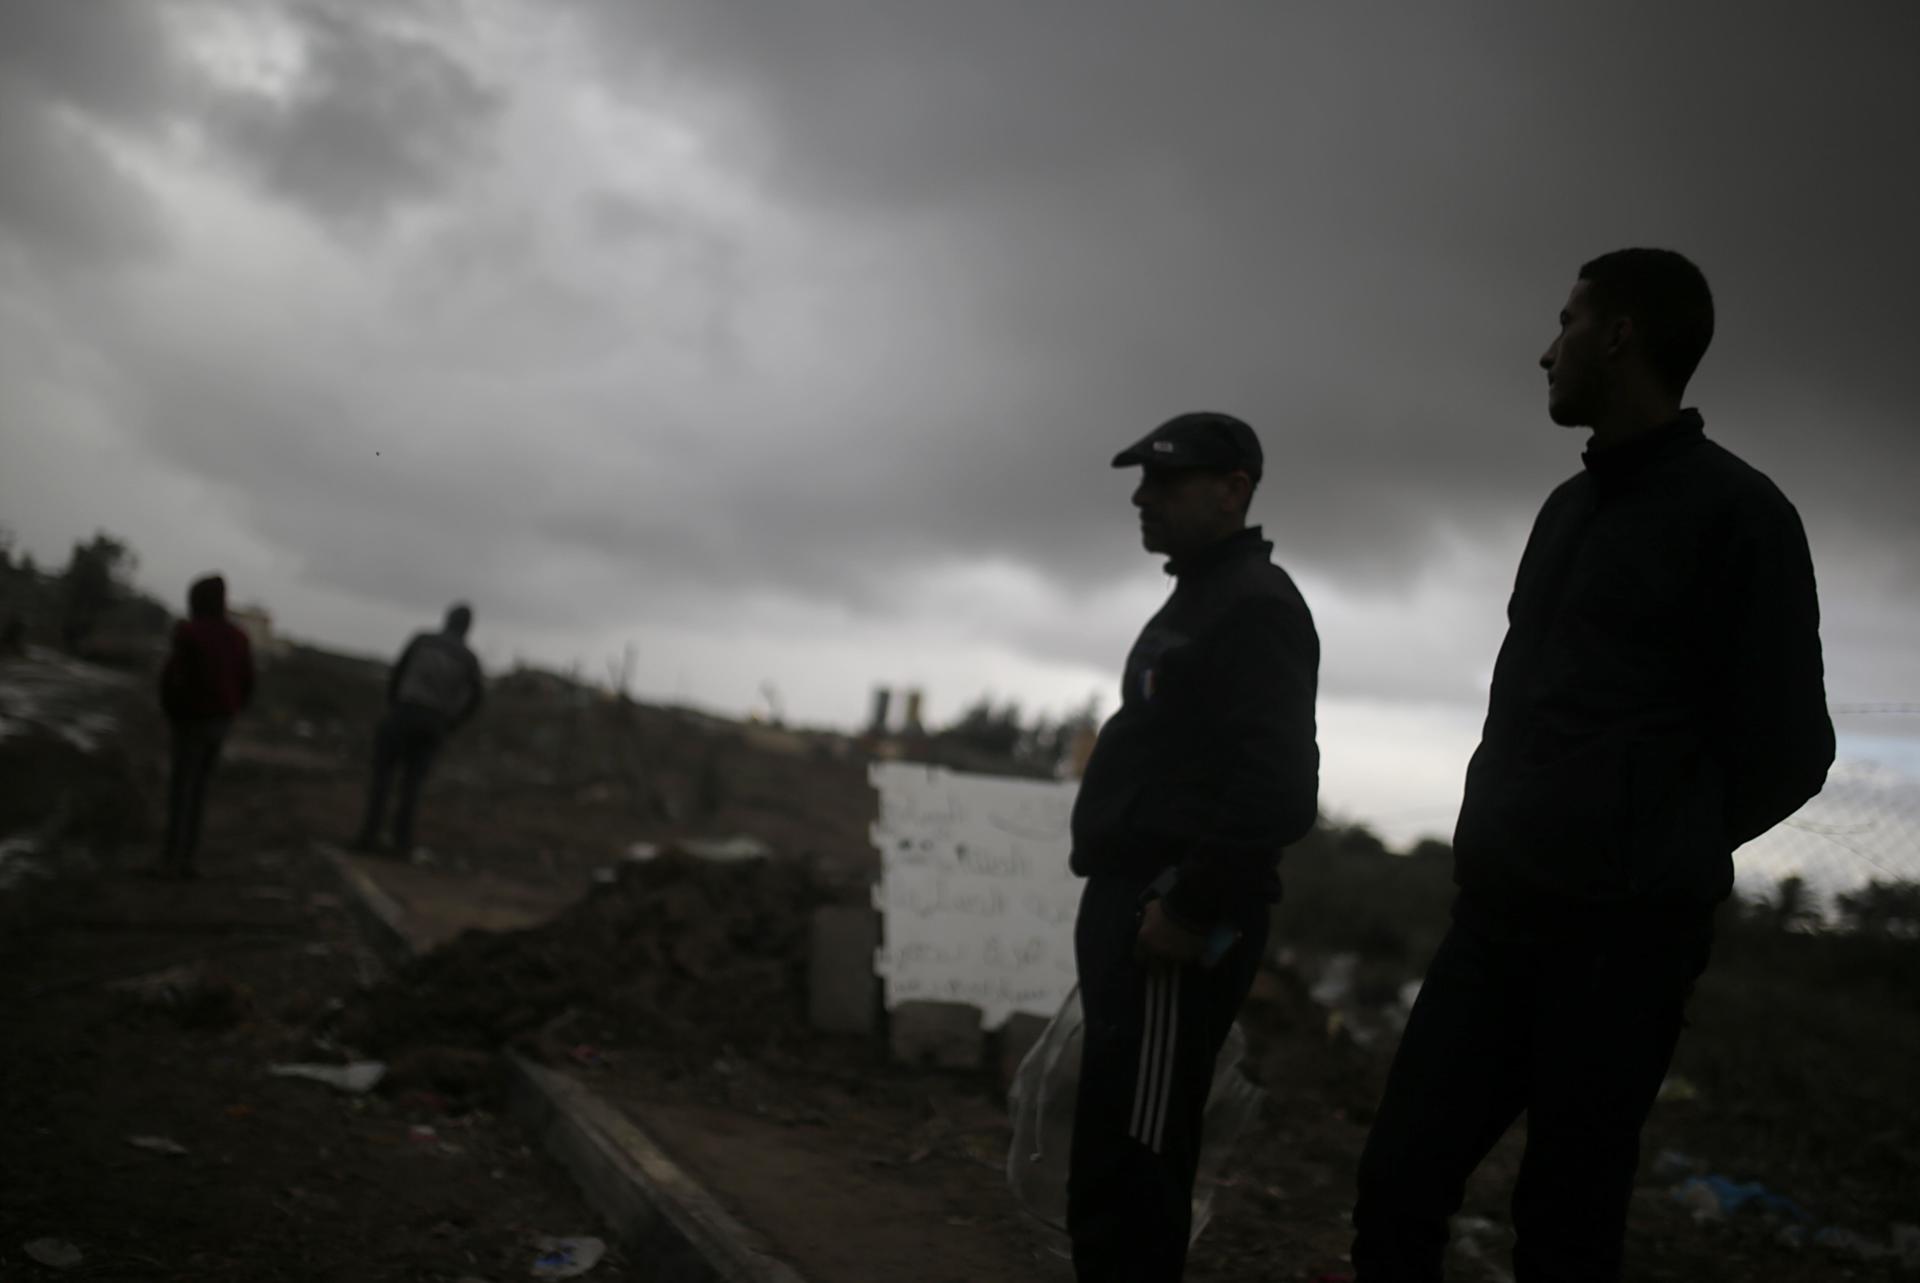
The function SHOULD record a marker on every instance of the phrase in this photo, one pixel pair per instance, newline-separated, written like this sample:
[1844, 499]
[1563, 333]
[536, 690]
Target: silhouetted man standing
[1657, 702]
[207, 680]
[434, 688]
[1206, 771]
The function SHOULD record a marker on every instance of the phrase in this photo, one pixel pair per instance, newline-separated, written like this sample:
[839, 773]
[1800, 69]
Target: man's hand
[1163, 940]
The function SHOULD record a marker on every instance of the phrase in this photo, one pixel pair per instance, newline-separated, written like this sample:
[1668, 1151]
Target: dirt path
[134, 1007]
[283, 1179]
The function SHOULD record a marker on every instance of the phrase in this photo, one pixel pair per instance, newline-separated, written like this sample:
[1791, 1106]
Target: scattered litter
[1676, 1088]
[642, 851]
[157, 1144]
[606, 876]
[55, 1253]
[739, 847]
[164, 987]
[357, 1078]
[1334, 985]
[422, 1133]
[1671, 1163]
[1851, 1243]
[194, 994]
[15, 862]
[565, 1258]
[421, 856]
[587, 1055]
[1906, 1245]
[318, 949]
[1714, 1197]
[266, 893]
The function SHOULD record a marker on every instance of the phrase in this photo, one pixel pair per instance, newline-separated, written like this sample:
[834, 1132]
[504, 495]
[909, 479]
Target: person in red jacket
[208, 679]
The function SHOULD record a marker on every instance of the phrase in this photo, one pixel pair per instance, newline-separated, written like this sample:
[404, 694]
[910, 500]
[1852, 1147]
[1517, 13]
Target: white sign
[976, 900]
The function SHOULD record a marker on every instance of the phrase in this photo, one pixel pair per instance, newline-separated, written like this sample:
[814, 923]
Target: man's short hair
[1668, 299]
[459, 617]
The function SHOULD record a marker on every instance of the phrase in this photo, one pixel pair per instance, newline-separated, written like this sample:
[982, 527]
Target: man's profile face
[1182, 510]
[1576, 362]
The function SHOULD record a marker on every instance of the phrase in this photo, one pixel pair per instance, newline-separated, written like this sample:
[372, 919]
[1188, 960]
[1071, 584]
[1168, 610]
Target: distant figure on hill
[434, 688]
[207, 680]
[1657, 702]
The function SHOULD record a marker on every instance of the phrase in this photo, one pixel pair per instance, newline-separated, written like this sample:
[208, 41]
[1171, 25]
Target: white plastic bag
[1041, 1101]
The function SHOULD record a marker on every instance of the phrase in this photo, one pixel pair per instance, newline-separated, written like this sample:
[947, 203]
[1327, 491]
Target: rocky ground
[677, 987]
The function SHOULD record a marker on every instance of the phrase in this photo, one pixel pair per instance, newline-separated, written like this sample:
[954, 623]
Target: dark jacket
[209, 671]
[1210, 763]
[437, 673]
[1658, 699]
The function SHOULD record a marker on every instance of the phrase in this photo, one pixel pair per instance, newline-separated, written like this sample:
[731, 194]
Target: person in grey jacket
[434, 688]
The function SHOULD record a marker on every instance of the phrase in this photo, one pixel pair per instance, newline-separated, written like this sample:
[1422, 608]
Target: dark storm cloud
[62, 65]
[1353, 225]
[930, 264]
[378, 115]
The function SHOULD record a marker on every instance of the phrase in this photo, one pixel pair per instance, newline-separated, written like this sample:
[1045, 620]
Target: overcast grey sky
[790, 342]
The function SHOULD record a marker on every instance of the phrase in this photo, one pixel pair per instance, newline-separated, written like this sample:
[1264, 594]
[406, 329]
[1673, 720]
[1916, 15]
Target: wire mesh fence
[1865, 824]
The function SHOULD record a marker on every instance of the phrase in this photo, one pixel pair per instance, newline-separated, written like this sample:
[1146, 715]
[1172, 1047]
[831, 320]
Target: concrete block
[945, 1035]
[843, 994]
[1014, 1040]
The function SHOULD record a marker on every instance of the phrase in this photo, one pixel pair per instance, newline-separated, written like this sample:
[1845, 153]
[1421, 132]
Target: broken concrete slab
[647, 1197]
[843, 994]
[945, 1035]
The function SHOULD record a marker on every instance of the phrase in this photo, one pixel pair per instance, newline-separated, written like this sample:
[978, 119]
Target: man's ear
[1239, 490]
[1620, 334]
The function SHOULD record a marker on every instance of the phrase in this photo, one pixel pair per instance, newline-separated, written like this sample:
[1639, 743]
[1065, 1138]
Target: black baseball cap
[1201, 439]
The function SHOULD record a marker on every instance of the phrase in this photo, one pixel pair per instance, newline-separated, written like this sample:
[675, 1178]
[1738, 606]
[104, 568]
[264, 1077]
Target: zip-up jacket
[438, 672]
[209, 670]
[1210, 765]
[1659, 697]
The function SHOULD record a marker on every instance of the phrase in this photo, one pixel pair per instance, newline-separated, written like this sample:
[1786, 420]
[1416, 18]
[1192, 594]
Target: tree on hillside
[96, 577]
[988, 729]
[1883, 909]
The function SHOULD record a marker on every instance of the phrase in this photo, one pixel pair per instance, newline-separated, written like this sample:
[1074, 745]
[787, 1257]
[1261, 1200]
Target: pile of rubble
[677, 954]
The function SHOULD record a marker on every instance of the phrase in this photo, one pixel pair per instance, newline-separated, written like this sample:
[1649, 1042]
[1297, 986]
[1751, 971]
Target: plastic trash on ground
[157, 1144]
[565, 1258]
[1041, 1101]
[1714, 1197]
[54, 1253]
[741, 846]
[357, 1078]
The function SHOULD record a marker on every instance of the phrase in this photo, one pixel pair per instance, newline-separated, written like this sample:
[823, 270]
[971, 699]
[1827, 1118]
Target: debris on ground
[157, 1145]
[1716, 1197]
[356, 1079]
[55, 1253]
[566, 1258]
[679, 952]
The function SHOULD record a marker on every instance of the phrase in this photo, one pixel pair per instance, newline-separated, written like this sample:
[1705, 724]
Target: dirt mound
[679, 954]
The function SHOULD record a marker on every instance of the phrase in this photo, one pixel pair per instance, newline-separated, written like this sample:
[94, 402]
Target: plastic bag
[1041, 1101]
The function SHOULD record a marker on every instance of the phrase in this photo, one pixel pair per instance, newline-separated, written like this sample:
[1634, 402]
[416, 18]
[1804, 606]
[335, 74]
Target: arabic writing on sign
[975, 896]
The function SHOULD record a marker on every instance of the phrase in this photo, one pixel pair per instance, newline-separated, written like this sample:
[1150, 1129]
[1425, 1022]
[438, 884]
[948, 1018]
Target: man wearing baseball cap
[1207, 770]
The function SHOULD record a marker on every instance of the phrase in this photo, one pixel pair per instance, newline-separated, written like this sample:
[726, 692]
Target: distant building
[257, 624]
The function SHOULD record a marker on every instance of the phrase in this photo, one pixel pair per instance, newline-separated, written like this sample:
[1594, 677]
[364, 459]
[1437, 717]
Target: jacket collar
[1615, 464]
[1241, 543]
